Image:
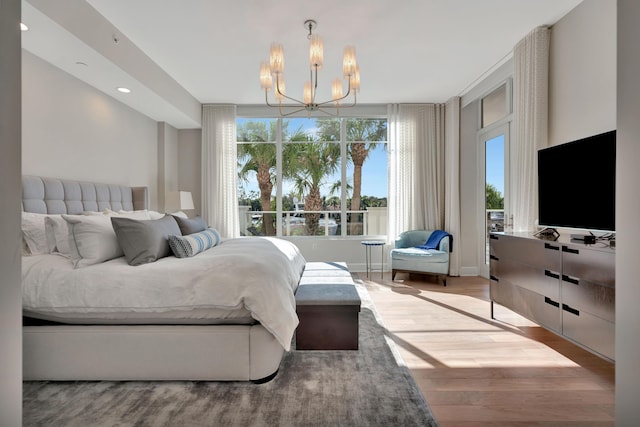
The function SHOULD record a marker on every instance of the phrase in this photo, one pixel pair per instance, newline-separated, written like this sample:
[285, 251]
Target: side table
[368, 244]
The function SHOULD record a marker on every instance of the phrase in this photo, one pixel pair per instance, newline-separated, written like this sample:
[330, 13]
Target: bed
[227, 313]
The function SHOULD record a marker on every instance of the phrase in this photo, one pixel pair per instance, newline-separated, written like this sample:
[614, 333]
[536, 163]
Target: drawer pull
[571, 310]
[493, 257]
[570, 250]
[570, 279]
[552, 247]
[493, 237]
[551, 302]
[551, 274]
[494, 278]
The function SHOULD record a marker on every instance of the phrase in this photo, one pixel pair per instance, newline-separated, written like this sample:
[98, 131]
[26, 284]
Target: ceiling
[180, 53]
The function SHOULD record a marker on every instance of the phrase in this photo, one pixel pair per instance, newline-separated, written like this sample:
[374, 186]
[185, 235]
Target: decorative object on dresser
[563, 285]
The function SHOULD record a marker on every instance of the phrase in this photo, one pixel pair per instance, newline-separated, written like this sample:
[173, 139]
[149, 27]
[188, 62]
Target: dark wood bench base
[328, 310]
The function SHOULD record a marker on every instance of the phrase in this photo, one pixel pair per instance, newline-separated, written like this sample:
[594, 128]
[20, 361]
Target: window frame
[368, 112]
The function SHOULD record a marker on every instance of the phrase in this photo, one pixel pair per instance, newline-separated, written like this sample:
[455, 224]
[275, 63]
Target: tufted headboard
[58, 196]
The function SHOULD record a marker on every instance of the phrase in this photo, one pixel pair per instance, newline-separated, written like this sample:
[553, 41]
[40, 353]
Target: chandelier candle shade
[272, 77]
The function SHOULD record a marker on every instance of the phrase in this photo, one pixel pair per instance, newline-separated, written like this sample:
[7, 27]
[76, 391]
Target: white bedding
[258, 274]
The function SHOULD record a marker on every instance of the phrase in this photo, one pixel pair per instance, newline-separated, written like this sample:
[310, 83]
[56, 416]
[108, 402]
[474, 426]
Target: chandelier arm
[292, 112]
[341, 98]
[330, 113]
[315, 84]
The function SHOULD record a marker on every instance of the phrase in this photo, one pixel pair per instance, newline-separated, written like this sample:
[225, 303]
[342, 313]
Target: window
[312, 176]
[494, 106]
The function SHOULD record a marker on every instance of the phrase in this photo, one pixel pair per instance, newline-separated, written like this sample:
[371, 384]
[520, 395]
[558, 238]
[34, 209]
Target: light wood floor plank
[477, 371]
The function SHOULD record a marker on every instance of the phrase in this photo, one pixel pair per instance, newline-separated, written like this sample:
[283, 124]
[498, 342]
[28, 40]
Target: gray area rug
[368, 387]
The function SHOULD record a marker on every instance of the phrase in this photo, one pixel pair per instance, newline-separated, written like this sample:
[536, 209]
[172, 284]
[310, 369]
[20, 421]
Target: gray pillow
[145, 241]
[190, 225]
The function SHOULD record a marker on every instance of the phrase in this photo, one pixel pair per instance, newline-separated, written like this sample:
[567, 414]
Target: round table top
[373, 242]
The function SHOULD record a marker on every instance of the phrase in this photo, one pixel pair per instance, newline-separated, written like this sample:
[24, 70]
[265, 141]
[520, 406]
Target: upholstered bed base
[135, 352]
[148, 352]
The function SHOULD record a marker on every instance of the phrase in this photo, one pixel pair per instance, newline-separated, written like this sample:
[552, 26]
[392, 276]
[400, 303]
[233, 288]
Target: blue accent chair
[408, 258]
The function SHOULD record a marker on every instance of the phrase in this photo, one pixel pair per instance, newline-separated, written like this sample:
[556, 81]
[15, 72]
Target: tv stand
[565, 286]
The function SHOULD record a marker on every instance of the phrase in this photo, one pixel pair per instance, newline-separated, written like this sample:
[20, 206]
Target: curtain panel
[219, 169]
[424, 168]
[530, 115]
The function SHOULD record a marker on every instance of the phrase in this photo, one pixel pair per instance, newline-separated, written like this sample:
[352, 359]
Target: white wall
[627, 215]
[189, 164]
[469, 209]
[582, 72]
[10, 194]
[71, 130]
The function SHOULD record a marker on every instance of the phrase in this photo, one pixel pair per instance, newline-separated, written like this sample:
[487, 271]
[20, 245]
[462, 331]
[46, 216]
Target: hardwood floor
[476, 371]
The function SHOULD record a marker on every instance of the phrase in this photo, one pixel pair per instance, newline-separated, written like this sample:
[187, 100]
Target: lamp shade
[179, 200]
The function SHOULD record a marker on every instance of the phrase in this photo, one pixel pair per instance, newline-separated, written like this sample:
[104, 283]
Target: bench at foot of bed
[328, 308]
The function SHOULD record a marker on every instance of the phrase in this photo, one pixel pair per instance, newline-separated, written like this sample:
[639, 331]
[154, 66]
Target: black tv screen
[577, 184]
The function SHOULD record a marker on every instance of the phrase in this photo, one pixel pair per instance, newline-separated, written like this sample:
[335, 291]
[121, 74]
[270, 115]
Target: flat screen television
[577, 184]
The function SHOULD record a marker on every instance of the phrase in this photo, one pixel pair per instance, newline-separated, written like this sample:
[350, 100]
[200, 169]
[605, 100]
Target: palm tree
[259, 157]
[308, 164]
[361, 137]
[360, 133]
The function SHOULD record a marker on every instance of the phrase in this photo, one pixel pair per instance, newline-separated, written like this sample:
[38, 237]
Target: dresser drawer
[591, 331]
[526, 251]
[590, 297]
[582, 263]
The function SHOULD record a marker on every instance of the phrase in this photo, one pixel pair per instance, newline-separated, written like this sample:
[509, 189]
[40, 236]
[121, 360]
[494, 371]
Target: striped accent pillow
[192, 244]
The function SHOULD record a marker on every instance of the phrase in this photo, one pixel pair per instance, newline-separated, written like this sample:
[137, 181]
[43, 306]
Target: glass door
[492, 189]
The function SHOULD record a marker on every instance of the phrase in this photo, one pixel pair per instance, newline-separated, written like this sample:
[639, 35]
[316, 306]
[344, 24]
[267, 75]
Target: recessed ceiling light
[124, 90]
[23, 27]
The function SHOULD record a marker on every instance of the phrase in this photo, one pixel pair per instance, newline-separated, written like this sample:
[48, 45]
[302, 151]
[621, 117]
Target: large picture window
[312, 176]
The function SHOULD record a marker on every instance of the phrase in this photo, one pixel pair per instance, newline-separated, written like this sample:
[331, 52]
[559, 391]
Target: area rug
[368, 387]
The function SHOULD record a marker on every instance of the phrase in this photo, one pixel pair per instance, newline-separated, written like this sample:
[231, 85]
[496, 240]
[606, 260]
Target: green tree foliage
[495, 199]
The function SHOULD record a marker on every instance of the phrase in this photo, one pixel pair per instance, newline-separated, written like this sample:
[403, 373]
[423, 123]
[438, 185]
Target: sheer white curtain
[219, 174]
[416, 169]
[530, 113]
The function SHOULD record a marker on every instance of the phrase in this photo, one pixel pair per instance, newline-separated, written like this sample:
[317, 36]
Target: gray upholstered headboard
[58, 196]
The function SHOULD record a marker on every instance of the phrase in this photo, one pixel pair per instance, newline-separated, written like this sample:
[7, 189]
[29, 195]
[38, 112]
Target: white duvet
[259, 274]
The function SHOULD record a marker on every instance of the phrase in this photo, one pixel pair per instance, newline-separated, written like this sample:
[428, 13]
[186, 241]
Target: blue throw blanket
[434, 240]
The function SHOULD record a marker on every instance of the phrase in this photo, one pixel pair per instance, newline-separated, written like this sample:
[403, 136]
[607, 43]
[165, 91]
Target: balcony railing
[330, 222]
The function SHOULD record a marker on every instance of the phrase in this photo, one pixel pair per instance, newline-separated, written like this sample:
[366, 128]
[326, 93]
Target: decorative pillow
[180, 214]
[188, 246]
[144, 241]
[57, 234]
[191, 225]
[34, 233]
[91, 239]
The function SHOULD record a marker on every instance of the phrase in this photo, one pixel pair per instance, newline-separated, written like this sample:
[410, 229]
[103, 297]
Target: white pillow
[141, 214]
[57, 234]
[155, 215]
[34, 233]
[91, 239]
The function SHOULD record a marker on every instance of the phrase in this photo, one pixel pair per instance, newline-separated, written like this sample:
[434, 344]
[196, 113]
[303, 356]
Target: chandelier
[272, 76]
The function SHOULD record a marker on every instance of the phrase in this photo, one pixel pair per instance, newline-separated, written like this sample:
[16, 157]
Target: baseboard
[469, 271]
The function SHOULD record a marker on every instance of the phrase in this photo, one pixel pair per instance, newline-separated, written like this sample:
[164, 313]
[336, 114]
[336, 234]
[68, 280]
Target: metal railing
[292, 223]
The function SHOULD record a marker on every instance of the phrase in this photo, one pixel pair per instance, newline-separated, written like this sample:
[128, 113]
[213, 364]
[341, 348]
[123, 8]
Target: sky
[494, 153]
